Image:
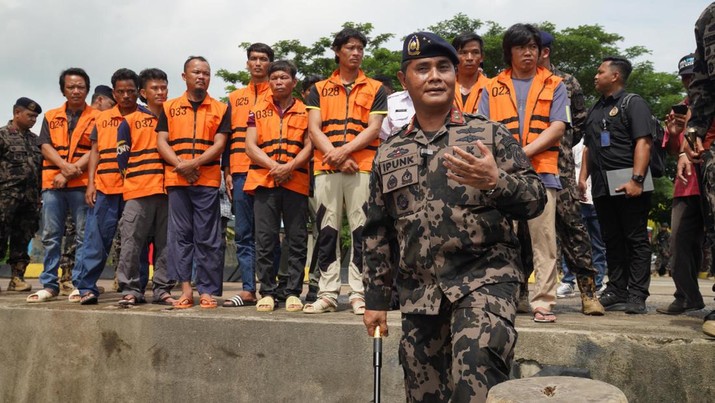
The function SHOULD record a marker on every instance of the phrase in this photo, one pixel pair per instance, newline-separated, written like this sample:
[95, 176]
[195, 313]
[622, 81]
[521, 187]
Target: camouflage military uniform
[702, 106]
[20, 162]
[69, 249]
[459, 268]
[570, 230]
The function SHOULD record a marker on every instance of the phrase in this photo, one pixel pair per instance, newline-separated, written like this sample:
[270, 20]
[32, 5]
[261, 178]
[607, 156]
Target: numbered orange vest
[242, 101]
[470, 106]
[144, 175]
[107, 178]
[190, 134]
[346, 115]
[70, 149]
[281, 138]
[502, 107]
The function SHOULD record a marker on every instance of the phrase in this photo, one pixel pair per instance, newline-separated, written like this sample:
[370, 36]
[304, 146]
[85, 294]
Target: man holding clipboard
[616, 156]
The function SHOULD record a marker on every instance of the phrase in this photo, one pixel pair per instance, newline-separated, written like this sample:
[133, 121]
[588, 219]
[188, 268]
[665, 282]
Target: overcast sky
[40, 38]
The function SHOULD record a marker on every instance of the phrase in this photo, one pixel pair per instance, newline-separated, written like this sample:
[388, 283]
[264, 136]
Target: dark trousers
[269, 206]
[686, 248]
[624, 226]
[194, 237]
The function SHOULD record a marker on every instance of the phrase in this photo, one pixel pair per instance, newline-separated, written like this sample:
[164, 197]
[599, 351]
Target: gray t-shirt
[557, 113]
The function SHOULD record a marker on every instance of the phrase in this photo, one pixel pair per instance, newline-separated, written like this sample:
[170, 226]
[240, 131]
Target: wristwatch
[638, 179]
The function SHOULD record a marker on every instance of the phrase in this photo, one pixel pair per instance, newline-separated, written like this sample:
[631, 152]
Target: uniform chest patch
[402, 202]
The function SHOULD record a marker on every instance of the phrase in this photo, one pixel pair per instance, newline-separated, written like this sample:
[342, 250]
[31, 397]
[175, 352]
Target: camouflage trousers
[462, 352]
[707, 189]
[572, 235]
[19, 221]
[69, 249]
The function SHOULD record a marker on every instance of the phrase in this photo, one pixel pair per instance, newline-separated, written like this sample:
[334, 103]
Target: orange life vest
[281, 138]
[70, 149]
[242, 101]
[502, 108]
[190, 134]
[107, 178]
[144, 175]
[471, 105]
[346, 115]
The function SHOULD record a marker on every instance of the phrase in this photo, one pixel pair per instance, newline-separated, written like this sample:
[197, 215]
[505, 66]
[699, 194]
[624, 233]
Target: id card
[605, 138]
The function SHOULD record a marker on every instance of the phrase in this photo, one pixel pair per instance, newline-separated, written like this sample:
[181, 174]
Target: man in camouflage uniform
[446, 188]
[570, 230]
[20, 162]
[702, 107]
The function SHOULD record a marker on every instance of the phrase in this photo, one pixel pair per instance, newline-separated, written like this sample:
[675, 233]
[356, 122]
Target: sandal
[322, 305]
[266, 304]
[44, 295]
[543, 316]
[184, 303]
[74, 296]
[127, 300]
[358, 305]
[243, 298]
[294, 304]
[164, 300]
[207, 303]
[89, 298]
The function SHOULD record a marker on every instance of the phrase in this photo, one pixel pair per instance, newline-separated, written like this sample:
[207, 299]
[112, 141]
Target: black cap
[546, 39]
[104, 90]
[28, 104]
[685, 65]
[420, 45]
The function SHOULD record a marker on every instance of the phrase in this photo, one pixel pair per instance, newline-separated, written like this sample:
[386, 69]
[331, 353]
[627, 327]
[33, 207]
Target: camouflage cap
[28, 104]
[685, 65]
[420, 45]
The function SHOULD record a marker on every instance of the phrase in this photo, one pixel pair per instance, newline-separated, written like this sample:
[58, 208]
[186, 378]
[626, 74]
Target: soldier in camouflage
[20, 167]
[702, 107]
[446, 188]
[570, 230]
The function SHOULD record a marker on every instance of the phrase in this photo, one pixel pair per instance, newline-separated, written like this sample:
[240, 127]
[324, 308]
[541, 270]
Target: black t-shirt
[606, 116]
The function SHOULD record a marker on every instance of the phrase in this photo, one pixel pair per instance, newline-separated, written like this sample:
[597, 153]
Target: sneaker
[612, 302]
[709, 324]
[636, 305]
[600, 290]
[677, 307]
[565, 290]
[312, 294]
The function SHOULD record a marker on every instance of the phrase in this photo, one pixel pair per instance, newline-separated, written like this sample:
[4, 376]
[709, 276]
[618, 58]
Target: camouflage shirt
[573, 133]
[702, 87]
[452, 238]
[20, 160]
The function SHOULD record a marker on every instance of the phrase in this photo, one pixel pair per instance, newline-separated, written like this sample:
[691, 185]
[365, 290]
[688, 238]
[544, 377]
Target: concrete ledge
[64, 352]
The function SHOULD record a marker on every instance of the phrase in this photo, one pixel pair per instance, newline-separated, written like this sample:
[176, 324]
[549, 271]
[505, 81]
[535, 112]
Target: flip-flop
[239, 300]
[544, 316]
[207, 303]
[266, 304]
[42, 296]
[89, 299]
[294, 304]
[184, 303]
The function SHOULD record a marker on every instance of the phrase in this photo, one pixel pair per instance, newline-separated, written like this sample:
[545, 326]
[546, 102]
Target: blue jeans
[55, 205]
[598, 248]
[101, 225]
[244, 229]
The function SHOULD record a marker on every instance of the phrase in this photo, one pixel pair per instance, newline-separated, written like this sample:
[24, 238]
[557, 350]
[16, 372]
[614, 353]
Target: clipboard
[617, 177]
